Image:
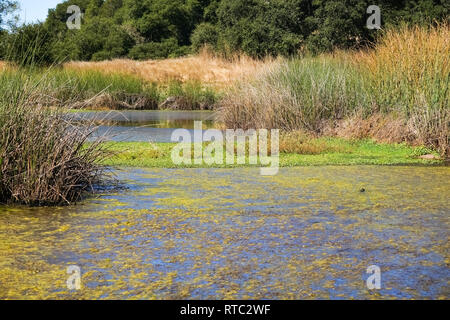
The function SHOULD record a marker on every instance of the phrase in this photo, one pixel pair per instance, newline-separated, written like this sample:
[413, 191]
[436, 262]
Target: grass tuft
[43, 156]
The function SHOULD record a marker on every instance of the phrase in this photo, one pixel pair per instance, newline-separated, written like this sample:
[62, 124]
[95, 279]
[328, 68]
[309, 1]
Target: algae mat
[230, 233]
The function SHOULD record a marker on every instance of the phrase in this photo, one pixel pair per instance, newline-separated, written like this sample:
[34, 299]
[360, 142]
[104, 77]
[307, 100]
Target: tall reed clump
[44, 159]
[403, 80]
[409, 74]
[296, 94]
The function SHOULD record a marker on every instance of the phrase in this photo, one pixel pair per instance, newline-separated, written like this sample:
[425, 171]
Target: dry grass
[385, 128]
[295, 94]
[204, 67]
[409, 68]
[411, 58]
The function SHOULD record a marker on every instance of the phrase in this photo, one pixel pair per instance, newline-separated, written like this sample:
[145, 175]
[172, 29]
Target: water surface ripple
[231, 233]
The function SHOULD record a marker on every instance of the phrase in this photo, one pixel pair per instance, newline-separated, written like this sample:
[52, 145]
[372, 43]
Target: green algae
[217, 234]
[363, 152]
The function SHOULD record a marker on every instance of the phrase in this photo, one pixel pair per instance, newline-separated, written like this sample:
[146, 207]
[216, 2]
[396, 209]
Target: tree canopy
[6, 7]
[151, 29]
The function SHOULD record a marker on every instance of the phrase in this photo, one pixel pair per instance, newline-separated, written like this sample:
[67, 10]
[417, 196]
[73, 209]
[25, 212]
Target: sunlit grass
[93, 89]
[333, 151]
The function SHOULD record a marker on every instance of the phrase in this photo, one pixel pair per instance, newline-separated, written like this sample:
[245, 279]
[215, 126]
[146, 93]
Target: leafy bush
[28, 45]
[154, 50]
[204, 35]
[100, 39]
[260, 28]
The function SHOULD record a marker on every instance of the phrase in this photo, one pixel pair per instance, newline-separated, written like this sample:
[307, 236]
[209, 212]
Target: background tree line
[152, 29]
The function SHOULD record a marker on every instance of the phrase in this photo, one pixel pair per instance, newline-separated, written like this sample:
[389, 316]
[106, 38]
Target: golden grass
[410, 73]
[383, 128]
[413, 53]
[204, 68]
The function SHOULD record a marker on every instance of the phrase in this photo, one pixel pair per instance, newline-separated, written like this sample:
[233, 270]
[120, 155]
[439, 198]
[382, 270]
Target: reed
[409, 74]
[91, 89]
[296, 94]
[44, 159]
[404, 80]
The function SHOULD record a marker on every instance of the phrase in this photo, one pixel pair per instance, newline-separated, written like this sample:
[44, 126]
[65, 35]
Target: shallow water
[144, 126]
[231, 233]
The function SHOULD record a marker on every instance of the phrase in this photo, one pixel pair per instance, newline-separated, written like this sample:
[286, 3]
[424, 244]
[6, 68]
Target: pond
[305, 233]
[144, 126]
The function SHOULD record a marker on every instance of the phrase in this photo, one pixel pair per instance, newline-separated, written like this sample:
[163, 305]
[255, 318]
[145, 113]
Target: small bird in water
[362, 190]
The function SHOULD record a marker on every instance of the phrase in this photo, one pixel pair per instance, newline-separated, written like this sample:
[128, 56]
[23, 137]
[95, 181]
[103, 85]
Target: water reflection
[143, 126]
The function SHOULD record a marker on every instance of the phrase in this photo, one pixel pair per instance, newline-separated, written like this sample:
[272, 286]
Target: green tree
[143, 29]
[205, 34]
[338, 24]
[259, 27]
[93, 8]
[29, 45]
[6, 7]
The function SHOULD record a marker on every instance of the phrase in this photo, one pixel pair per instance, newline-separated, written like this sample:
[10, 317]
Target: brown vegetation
[204, 67]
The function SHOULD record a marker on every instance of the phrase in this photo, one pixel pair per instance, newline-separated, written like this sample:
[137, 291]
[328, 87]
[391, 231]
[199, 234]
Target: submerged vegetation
[170, 236]
[222, 234]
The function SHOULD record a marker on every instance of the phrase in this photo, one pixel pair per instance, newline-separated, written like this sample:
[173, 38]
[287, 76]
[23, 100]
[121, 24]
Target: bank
[345, 152]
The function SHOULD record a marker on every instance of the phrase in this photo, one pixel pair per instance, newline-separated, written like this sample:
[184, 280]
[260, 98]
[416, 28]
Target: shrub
[204, 35]
[296, 94]
[191, 95]
[154, 50]
[28, 45]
